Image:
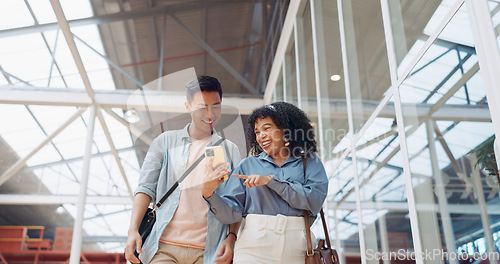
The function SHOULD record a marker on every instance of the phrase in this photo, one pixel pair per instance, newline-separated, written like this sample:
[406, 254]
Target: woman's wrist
[207, 190]
[206, 193]
[269, 178]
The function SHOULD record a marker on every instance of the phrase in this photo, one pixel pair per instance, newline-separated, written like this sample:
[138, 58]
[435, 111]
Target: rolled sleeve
[228, 208]
[221, 210]
[277, 185]
[305, 196]
[150, 170]
[145, 190]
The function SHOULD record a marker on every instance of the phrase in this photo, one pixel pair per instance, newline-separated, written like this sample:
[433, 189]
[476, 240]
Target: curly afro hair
[295, 123]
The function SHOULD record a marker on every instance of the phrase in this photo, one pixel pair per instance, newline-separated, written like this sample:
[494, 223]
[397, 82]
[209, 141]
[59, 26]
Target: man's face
[205, 110]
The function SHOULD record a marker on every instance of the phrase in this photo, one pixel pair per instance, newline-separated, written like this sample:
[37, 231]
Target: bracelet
[235, 236]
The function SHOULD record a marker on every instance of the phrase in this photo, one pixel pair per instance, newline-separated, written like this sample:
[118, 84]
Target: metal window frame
[488, 54]
[486, 43]
[351, 129]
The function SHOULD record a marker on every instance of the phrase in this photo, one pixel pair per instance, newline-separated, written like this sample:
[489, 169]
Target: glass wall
[331, 103]
[382, 194]
[443, 150]
[290, 81]
[365, 57]
[413, 175]
[305, 67]
[495, 17]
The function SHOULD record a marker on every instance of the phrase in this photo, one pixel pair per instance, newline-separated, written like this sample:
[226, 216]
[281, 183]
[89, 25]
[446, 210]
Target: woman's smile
[265, 144]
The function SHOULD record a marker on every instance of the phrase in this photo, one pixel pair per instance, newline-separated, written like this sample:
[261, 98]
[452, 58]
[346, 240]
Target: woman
[269, 189]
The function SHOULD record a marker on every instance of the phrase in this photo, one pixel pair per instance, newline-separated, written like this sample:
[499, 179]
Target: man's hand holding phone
[217, 156]
[214, 176]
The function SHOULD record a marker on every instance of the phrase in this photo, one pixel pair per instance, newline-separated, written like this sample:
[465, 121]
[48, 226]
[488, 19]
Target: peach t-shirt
[188, 226]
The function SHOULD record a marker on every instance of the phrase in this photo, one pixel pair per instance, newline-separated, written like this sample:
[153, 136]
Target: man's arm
[151, 167]
[134, 240]
[226, 248]
[234, 228]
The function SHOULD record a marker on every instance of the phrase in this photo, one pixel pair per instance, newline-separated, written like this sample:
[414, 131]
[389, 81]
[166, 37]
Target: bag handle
[327, 237]
[186, 173]
[306, 218]
[309, 251]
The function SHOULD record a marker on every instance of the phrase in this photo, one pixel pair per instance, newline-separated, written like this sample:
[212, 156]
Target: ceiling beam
[31, 199]
[22, 162]
[77, 159]
[403, 207]
[63, 24]
[108, 18]
[103, 239]
[216, 56]
[34, 199]
[161, 101]
[138, 133]
[158, 101]
[114, 152]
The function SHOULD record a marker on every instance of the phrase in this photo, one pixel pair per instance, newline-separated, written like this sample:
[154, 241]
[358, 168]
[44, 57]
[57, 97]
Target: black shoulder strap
[186, 173]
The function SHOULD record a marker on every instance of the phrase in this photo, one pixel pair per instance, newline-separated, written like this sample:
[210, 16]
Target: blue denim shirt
[164, 163]
[288, 193]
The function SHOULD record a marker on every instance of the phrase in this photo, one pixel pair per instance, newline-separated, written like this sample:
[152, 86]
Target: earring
[287, 142]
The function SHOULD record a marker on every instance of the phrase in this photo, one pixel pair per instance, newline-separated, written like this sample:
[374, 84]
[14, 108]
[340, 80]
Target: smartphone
[217, 152]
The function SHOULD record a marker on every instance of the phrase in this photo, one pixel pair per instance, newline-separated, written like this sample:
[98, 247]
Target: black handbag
[321, 254]
[146, 225]
[149, 218]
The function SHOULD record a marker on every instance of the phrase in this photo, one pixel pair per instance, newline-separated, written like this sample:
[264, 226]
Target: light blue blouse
[288, 193]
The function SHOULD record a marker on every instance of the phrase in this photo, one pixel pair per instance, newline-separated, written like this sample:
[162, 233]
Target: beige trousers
[168, 253]
[272, 239]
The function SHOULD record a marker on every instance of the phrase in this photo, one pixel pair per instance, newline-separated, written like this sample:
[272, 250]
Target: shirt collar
[263, 156]
[184, 132]
[185, 135]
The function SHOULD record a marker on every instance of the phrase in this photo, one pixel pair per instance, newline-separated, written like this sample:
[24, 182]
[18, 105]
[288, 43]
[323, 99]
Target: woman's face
[269, 136]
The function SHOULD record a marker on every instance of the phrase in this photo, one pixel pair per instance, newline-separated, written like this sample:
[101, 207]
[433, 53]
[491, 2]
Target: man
[184, 231]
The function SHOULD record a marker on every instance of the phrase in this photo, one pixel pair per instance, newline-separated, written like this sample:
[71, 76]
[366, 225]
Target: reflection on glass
[306, 71]
[442, 141]
[342, 215]
[278, 91]
[438, 73]
[306, 62]
[332, 91]
[366, 57]
[384, 203]
[409, 29]
[290, 78]
[495, 17]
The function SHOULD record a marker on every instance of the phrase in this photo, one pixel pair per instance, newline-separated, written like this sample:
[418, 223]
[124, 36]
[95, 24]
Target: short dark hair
[203, 83]
[295, 123]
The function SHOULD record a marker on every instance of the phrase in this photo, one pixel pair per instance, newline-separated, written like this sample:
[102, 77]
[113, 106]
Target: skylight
[41, 60]
[13, 14]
